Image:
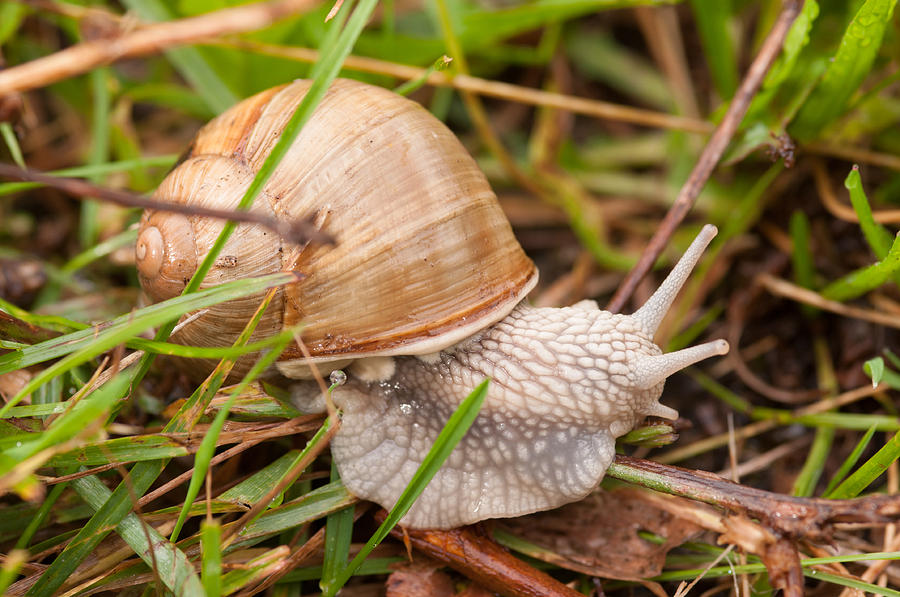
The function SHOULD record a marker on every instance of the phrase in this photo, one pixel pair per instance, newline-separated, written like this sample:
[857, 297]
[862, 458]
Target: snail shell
[423, 255]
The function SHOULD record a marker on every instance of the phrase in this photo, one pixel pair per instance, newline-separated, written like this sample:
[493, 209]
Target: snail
[420, 298]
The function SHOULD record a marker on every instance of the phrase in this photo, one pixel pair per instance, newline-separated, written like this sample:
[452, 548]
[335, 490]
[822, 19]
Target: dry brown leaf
[599, 535]
[419, 578]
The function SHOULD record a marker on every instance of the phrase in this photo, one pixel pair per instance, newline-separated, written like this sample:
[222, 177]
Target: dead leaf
[599, 535]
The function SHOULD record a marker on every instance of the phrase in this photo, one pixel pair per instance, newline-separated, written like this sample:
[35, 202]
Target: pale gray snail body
[420, 298]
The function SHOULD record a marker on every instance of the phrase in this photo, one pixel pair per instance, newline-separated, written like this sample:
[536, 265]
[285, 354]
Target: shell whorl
[166, 254]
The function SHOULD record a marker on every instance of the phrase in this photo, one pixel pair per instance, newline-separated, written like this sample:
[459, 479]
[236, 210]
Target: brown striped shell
[423, 255]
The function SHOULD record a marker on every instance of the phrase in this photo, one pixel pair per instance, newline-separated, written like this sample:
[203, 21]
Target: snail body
[421, 298]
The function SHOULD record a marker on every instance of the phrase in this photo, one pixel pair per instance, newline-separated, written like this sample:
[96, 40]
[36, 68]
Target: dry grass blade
[148, 39]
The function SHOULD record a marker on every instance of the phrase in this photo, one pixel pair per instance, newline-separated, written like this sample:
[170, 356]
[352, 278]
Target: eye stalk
[651, 314]
[166, 254]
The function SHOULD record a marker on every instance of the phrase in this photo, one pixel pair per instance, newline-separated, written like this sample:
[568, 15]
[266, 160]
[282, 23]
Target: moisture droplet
[406, 409]
[337, 378]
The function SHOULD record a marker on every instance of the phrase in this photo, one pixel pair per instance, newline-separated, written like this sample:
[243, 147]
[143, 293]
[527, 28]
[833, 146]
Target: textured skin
[561, 392]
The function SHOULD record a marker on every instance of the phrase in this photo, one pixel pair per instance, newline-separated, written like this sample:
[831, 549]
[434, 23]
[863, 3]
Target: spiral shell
[423, 255]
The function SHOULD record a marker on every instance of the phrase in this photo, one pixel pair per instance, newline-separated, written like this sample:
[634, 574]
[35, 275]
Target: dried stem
[299, 231]
[793, 517]
[711, 154]
[147, 39]
[473, 553]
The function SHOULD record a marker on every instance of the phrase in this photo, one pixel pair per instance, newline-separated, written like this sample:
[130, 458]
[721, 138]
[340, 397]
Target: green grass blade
[869, 471]
[11, 16]
[255, 570]
[456, 427]
[189, 62]
[100, 250]
[801, 256]
[172, 565]
[12, 563]
[874, 368]
[805, 483]
[208, 446]
[311, 506]
[846, 71]
[712, 17]
[38, 518]
[12, 144]
[93, 408]
[84, 345]
[338, 534]
[878, 237]
[254, 488]
[211, 558]
[88, 223]
[849, 462]
[118, 504]
[859, 585]
[863, 280]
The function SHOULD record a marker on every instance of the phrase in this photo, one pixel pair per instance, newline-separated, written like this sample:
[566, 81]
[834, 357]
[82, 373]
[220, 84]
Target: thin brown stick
[186, 475]
[842, 210]
[496, 89]
[232, 531]
[711, 154]
[475, 554]
[759, 427]
[148, 39]
[298, 231]
[786, 289]
[855, 154]
[811, 518]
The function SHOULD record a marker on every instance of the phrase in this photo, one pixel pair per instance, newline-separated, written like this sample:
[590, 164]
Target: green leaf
[338, 535]
[874, 368]
[878, 237]
[255, 570]
[189, 61]
[801, 256]
[712, 17]
[208, 446]
[11, 16]
[83, 345]
[846, 72]
[211, 558]
[805, 483]
[172, 565]
[863, 280]
[869, 471]
[92, 408]
[12, 563]
[849, 462]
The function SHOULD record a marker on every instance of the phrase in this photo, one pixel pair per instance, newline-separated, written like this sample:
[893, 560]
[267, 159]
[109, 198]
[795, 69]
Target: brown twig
[147, 39]
[786, 289]
[496, 89]
[737, 317]
[792, 517]
[233, 530]
[298, 231]
[711, 154]
[473, 553]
